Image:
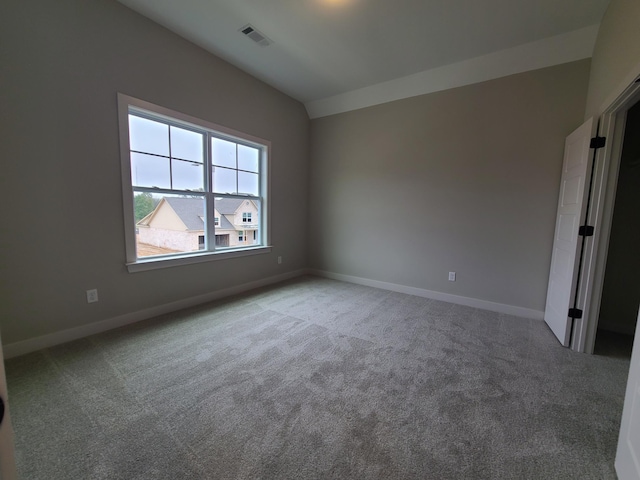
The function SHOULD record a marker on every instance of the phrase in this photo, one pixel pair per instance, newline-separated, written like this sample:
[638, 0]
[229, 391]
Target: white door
[571, 210]
[628, 455]
[7, 462]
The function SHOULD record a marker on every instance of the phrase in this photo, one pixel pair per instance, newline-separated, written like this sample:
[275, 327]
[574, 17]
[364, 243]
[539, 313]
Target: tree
[143, 205]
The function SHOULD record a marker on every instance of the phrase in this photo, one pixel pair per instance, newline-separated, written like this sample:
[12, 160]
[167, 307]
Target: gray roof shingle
[191, 211]
[228, 206]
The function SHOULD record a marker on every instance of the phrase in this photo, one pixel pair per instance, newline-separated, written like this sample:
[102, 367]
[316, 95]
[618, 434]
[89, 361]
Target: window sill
[155, 263]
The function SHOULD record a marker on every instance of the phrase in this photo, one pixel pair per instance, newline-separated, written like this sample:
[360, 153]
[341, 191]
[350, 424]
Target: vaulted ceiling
[323, 49]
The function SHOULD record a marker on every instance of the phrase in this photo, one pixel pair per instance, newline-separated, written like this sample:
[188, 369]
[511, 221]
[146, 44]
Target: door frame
[7, 450]
[605, 182]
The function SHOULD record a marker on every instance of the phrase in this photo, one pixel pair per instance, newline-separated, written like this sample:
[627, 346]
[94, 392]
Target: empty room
[319, 239]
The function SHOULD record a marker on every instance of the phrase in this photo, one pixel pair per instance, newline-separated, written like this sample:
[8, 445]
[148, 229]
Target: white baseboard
[50, 340]
[445, 297]
[64, 336]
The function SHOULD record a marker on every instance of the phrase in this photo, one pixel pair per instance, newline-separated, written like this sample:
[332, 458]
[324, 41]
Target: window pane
[223, 153]
[248, 158]
[186, 144]
[148, 136]
[248, 183]
[187, 175]
[235, 229]
[174, 176]
[174, 224]
[150, 171]
[224, 180]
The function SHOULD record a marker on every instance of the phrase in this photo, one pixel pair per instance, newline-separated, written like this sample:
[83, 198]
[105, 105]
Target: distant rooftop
[191, 211]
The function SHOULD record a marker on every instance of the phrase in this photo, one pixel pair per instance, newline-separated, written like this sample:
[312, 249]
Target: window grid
[208, 194]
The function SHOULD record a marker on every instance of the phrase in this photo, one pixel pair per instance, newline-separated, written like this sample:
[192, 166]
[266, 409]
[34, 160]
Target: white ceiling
[327, 48]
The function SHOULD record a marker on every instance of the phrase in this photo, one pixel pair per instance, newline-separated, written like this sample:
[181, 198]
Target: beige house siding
[166, 218]
[246, 207]
[165, 229]
[167, 238]
[235, 219]
[234, 235]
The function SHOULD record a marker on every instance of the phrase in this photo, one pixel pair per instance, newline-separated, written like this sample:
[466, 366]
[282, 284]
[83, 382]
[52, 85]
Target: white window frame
[135, 264]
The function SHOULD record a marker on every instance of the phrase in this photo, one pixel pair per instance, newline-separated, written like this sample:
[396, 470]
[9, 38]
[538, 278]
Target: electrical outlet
[92, 295]
[452, 276]
[279, 259]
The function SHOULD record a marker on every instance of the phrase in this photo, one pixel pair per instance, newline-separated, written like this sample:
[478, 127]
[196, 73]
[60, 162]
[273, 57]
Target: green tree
[143, 205]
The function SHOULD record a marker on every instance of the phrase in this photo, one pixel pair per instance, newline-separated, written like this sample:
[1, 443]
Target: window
[222, 240]
[178, 171]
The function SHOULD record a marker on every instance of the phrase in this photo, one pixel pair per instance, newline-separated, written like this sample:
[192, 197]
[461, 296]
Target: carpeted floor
[316, 378]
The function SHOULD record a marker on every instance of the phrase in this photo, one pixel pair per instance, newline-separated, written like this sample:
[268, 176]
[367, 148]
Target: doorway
[603, 197]
[620, 297]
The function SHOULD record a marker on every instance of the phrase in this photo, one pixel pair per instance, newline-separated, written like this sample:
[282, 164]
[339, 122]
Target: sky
[171, 157]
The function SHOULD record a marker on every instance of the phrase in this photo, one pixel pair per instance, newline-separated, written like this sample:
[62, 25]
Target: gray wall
[62, 63]
[463, 180]
[616, 58]
[452, 180]
[616, 53]
[621, 290]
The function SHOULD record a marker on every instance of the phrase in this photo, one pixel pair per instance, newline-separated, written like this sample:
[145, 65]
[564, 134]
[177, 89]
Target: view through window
[194, 189]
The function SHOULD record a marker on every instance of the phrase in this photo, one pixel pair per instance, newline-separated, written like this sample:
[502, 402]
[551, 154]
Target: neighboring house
[178, 224]
[236, 222]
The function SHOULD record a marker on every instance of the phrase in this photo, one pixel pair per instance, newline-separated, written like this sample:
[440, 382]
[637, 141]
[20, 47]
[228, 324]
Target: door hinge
[585, 231]
[598, 142]
[575, 313]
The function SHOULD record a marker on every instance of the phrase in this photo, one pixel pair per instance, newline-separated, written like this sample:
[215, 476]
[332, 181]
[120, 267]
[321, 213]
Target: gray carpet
[315, 378]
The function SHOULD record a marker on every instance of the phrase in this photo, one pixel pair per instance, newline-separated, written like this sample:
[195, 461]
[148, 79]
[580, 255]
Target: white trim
[125, 178]
[612, 123]
[64, 336]
[125, 101]
[135, 264]
[445, 297]
[565, 48]
[153, 263]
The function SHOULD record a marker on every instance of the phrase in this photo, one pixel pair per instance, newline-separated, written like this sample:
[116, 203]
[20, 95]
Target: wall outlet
[452, 276]
[279, 259]
[92, 295]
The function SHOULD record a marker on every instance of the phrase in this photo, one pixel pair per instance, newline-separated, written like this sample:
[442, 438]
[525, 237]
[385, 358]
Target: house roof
[225, 224]
[228, 206]
[191, 211]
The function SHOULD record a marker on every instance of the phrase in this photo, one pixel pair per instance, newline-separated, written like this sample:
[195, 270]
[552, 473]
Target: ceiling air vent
[255, 35]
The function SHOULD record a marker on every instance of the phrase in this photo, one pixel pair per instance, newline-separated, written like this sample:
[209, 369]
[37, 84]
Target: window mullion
[170, 156]
[167, 191]
[146, 239]
[209, 197]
